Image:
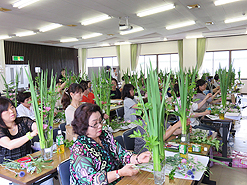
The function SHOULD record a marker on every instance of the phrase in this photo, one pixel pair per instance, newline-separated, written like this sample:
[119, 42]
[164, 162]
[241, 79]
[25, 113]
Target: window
[168, 62]
[164, 62]
[101, 61]
[212, 61]
[144, 63]
[239, 62]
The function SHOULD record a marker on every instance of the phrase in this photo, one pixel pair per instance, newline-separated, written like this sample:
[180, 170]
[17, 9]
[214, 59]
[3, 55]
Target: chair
[55, 130]
[120, 140]
[64, 173]
[120, 112]
[62, 127]
[129, 142]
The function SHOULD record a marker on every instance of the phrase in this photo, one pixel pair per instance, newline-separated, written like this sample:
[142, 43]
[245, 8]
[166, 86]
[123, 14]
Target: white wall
[189, 53]
[227, 43]
[102, 52]
[159, 48]
[2, 64]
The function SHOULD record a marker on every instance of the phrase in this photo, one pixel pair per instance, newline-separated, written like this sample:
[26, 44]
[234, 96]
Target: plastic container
[60, 142]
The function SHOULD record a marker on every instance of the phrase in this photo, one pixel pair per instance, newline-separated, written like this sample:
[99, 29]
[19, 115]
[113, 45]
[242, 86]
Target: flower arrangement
[102, 91]
[225, 80]
[116, 123]
[153, 116]
[44, 111]
[11, 88]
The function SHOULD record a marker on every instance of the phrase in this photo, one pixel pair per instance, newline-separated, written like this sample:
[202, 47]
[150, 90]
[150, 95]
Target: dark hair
[126, 91]
[199, 82]
[216, 77]
[84, 85]
[114, 79]
[4, 106]
[81, 117]
[74, 88]
[176, 90]
[21, 96]
[62, 70]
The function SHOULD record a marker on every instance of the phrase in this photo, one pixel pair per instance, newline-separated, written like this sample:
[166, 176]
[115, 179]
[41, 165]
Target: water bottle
[60, 142]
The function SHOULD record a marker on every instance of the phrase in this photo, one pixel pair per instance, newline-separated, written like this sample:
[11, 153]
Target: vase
[159, 175]
[47, 153]
[183, 146]
[222, 113]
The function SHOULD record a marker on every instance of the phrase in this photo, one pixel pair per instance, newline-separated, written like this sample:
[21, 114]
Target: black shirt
[115, 94]
[24, 125]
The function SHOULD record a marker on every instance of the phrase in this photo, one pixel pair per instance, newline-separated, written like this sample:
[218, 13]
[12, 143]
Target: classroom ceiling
[73, 12]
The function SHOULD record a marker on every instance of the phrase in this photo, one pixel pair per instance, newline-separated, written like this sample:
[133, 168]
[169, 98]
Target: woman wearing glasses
[96, 158]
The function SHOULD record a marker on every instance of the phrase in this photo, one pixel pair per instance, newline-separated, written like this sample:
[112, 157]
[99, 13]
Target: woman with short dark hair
[96, 158]
[115, 93]
[25, 108]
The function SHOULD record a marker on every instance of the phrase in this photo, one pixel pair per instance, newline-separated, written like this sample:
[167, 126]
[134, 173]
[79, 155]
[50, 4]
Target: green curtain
[135, 52]
[201, 48]
[118, 55]
[180, 53]
[84, 59]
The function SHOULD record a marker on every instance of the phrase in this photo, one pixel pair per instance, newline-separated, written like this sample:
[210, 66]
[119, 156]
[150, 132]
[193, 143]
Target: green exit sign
[18, 58]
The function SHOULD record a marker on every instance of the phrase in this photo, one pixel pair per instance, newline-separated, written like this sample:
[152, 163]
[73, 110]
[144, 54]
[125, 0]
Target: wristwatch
[117, 174]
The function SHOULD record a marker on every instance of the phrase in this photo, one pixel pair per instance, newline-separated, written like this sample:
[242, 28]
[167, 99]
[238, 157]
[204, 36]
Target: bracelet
[28, 134]
[137, 159]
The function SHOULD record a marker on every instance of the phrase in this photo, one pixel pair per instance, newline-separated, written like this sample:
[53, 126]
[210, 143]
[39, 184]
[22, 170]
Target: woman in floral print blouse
[96, 158]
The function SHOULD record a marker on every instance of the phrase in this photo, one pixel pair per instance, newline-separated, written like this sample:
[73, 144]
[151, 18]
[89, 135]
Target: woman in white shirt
[71, 100]
[25, 109]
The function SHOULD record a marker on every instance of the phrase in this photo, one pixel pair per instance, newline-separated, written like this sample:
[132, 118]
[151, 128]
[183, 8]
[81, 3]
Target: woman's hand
[207, 112]
[128, 170]
[144, 157]
[106, 116]
[208, 96]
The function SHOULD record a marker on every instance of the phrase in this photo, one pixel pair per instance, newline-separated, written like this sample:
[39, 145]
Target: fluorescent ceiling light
[104, 44]
[122, 43]
[156, 10]
[131, 31]
[236, 19]
[174, 26]
[221, 2]
[2, 37]
[50, 27]
[165, 39]
[95, 20]
[22, 3]
[23, 34]
[69, 40]
[194, 36]
[91, 35]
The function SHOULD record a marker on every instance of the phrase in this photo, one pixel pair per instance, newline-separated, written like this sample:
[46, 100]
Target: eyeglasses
[96, 125]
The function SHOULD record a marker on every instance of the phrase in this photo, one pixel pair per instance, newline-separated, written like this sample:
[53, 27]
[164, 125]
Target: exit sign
[18, 58]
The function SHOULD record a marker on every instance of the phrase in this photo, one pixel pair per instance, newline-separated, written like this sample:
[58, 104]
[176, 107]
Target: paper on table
[232, 114]
[197, 174]
[213, 117]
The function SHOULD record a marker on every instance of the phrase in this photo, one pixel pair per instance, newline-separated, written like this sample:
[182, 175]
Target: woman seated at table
[96, 158]
[71, 100]
[130, 104]
[15, 133]
[115, 93]
[25, 107]
[200, 87]
[87, 95]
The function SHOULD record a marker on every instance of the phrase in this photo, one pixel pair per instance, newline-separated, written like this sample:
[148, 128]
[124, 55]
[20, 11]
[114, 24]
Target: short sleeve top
[24, 125]
[128, 110]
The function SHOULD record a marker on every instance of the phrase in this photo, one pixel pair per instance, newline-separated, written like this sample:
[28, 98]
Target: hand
[207, 112]
[34, 133]
[188, 121]
[208, 95]
[128, 170]
[144, 157]
[106, 116]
